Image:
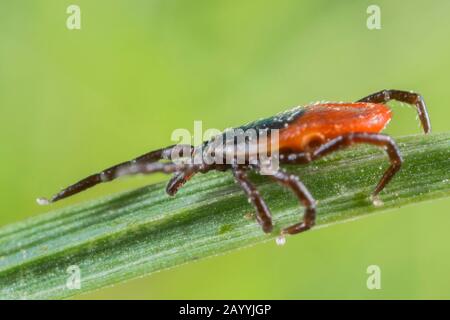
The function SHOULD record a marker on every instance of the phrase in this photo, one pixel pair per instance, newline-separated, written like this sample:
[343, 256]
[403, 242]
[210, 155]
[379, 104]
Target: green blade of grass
[135, 233]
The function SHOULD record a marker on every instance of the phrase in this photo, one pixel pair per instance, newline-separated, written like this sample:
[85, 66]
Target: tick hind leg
[347, 140]
[376, 139]
[415, 99]
[262, 211]
[136, 165]
[302, 193]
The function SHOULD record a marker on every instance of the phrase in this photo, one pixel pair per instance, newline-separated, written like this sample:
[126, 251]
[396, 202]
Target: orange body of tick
[319, 123]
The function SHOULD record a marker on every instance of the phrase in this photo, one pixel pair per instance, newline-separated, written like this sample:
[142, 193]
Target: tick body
[305, 134]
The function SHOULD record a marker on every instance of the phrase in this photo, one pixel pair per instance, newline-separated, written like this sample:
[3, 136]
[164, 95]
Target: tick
[305, 134]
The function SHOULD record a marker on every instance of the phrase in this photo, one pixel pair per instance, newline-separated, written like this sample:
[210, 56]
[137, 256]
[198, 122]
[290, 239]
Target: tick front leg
[415, 99]
[128, 167]
[262, 211]
[302, 193]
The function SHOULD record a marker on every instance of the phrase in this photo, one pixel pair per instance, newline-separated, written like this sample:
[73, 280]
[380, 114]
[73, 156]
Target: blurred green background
[76, 101]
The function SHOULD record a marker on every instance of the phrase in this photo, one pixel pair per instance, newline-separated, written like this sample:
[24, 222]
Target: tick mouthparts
[42, 201]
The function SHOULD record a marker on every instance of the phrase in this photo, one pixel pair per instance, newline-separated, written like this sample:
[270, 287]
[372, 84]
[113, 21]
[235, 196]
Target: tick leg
[177, 181]
[415, 99]
[347, 140]
[262, 211]
[115, 172]
[302, 193]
